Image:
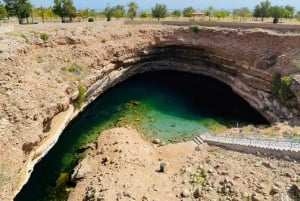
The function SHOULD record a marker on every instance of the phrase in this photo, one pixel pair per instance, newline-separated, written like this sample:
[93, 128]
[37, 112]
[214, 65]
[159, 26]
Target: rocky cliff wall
[245, 61]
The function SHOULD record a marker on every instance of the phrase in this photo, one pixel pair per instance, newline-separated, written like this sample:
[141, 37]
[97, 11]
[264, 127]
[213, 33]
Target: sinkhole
[172, 106]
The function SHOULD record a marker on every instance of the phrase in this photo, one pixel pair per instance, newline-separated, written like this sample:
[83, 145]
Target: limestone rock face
[39, 79]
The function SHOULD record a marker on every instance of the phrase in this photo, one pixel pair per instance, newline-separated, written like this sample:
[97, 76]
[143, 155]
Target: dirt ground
[123, 166]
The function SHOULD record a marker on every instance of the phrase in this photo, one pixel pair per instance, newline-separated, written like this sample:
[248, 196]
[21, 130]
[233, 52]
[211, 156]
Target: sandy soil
[122, 166]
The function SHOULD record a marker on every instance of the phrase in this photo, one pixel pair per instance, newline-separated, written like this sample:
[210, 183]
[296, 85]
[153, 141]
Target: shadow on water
[160, 104]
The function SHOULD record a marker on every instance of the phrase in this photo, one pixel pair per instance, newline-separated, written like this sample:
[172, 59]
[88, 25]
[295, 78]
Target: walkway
[281, 145]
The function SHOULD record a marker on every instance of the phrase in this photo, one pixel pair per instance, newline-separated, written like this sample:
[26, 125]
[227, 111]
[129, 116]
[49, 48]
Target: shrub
[44, 36]
[285, 91]
[200, 177]
[91, 19]
[74, 68]
[81, 96]
[144, 14]
[196, 28]
[103, 40]
[275, 83]
[280, 86]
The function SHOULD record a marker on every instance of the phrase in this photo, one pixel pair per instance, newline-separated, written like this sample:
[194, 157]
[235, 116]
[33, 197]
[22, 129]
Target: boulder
[80, 171]
[185, 193]
[156, 141]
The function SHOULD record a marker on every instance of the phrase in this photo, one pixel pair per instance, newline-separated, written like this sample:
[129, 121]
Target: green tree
[64, 9]
[132, 8]
[3, 12]
[108, 12]
[243, 12]
[276, 13]
[187, 12]
[144, 14]
[221, 14]
[291, 10]
[176, 13]
[262, 10]
[20, 8]
[285, 13]
[47, 13]
[118, 11]
[10, 7]
[159, 11]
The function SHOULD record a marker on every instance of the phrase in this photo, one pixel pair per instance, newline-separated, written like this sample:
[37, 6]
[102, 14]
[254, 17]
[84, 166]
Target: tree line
[66, 10]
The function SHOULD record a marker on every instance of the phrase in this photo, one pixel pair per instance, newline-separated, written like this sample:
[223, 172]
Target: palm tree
[132, 7]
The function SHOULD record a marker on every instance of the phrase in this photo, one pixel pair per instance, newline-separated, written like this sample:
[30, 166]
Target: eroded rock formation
[39, 78]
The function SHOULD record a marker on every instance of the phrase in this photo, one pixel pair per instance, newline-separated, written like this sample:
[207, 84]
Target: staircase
[198, 140]
[252, 145]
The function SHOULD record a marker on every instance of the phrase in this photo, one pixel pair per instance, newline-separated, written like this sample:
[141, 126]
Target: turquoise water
[167, 105]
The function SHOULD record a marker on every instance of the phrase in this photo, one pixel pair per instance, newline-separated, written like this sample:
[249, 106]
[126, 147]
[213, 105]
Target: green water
[167, 105]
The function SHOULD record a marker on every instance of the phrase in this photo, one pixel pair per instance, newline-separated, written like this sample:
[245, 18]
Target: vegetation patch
[285, 92]
[81, 96]
[91, 19]
[199, 177]
[44, 36]
[280, 86]
[74, 68]
[196, 28]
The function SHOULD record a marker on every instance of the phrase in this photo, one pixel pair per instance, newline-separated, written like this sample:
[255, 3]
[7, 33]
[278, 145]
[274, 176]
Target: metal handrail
[255, 142]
